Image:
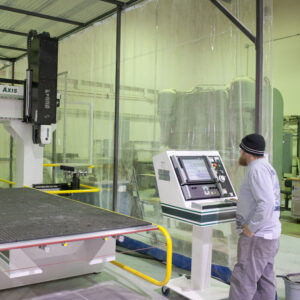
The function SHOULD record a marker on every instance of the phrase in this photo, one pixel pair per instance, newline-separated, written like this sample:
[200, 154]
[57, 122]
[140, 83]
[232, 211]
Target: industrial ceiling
[58, 17]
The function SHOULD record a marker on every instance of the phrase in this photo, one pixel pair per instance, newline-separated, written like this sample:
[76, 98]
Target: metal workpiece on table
[30, 217]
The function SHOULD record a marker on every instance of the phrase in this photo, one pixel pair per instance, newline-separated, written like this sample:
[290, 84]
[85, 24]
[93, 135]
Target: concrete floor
[287, 261]
[133, 287]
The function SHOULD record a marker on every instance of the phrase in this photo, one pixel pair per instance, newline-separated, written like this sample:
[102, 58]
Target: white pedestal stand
[201, 286]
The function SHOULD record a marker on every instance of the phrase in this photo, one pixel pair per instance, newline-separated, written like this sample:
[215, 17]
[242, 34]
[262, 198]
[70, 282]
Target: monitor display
[196, 169]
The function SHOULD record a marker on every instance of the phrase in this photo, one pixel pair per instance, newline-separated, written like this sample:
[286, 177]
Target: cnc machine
[45, 237]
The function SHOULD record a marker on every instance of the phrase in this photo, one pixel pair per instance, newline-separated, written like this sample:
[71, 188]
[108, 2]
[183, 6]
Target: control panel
[222, 176]
[194, 187]
[202, 177]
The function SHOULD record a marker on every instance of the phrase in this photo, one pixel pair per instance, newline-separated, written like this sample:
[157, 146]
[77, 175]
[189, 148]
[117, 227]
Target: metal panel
[39, 15]
[287, 153]
[277, 132]
[9, 53]
[25, 23]
[81, 11]
[75, 10]
[11, 109]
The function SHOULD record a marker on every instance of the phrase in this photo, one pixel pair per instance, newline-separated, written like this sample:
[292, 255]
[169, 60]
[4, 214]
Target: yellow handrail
[168, 263]
[58, 165]
[88, 189]
[51, 165]
[6, 181]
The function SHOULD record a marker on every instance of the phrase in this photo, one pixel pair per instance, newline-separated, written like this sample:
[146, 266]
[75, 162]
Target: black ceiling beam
[7, 59]
[13, 48]
[234, 20]
[132, 2]
[21, 56]
[38, 15]
[13, 32]
[115, 2]
[11, 81]
[97, 19]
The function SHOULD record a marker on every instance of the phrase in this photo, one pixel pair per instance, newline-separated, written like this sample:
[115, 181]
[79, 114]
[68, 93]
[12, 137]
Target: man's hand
[247, 231]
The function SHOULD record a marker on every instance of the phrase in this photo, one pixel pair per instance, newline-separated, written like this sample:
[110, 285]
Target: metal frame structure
[11, 139]
[258, 42]
[117, 111]
[120, 6]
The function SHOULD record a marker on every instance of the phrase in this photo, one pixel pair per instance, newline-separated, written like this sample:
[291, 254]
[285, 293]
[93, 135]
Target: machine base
[19, 267]
[183, 286]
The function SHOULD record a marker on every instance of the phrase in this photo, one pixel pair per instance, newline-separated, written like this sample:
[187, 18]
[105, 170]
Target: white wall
[286, 53]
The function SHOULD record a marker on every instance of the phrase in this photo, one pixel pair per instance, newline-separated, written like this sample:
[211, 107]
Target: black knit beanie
[253, 144]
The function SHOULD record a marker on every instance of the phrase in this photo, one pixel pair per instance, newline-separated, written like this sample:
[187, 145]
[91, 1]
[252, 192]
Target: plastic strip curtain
[188, 82]
[85, 118]
[5, 145]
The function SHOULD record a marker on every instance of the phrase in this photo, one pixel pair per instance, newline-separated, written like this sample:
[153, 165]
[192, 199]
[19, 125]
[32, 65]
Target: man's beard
[242, 161]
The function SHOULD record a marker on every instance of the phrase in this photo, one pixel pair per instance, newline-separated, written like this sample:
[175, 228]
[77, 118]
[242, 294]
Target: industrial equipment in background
[291, 164]
[291, 146]
[295, 203]
[72, 180]
[181, 127]
[195, 188]
[29, 111]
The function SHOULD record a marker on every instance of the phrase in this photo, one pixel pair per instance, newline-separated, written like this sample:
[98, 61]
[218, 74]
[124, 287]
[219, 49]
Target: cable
[31, 34]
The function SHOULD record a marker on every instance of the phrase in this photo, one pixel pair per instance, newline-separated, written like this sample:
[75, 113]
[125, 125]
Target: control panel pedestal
[195, 188]
[200, 285]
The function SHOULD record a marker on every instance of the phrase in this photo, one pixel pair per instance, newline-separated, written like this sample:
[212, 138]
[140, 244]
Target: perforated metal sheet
[27, 214]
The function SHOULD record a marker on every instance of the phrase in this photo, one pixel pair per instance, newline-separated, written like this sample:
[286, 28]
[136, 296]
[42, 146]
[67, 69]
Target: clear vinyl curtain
[6, 142]
[85, 121]
[187, 83]
[84, 135]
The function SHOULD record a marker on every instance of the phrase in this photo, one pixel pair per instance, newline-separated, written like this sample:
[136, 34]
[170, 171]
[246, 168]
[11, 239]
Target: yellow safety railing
[6, 181]
[168, 263]
[87, 189]
[58, 165]
[51, 165]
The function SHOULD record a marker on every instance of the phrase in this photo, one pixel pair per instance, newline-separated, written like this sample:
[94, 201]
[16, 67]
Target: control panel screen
[196, 169]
